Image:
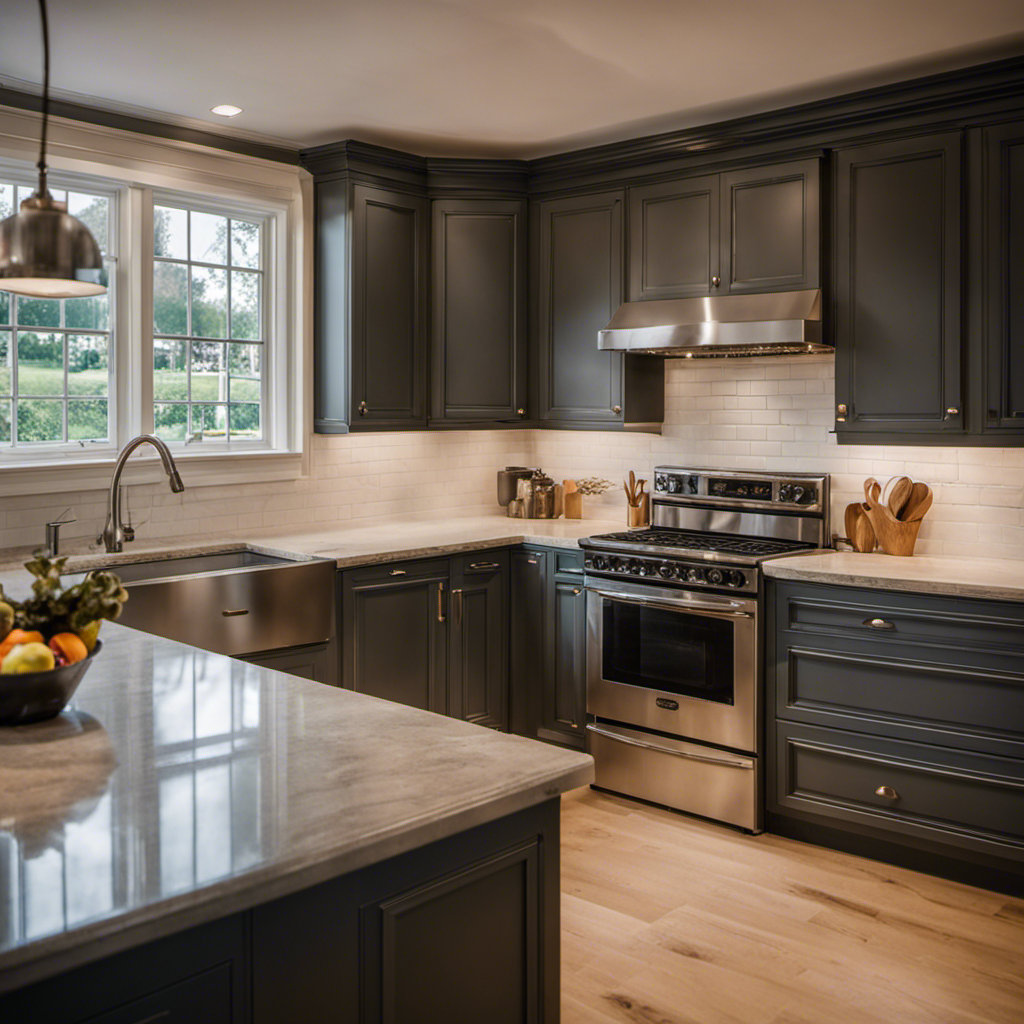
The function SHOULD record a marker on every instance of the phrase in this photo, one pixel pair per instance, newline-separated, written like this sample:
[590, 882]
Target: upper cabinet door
[771, 228]
[580, 287]
[897, 289]
[389, 303]
[673, 238]
[478, 336]
[1003, 279]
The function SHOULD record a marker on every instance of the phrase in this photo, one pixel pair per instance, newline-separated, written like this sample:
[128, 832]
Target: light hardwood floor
[668, 920]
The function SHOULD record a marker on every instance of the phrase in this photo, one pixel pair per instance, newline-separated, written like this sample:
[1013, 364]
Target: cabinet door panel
[530, 611]
[388, 303]
[1003, 276]
[771, 228]
[395, 640]
[580, 281]
[898, 266]
[479, 622]
[479, 323]
[563, 702]
[673, 238]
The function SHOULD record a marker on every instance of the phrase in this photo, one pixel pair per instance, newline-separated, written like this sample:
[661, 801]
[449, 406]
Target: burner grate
[694, 541]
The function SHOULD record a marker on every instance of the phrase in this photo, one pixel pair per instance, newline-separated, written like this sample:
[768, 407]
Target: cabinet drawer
[965, 800]
[569, 562]
[977, 706]
[398, 571]
[890, 618]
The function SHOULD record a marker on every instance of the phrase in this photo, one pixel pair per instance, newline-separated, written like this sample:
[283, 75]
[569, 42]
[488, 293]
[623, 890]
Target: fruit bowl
[34, 696]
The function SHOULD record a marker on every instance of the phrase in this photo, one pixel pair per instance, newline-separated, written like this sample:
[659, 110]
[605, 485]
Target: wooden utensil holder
[639, 515]
[573, 501]
[894, 536]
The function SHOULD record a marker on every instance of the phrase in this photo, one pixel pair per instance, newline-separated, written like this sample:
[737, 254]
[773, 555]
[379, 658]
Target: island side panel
[463, 930]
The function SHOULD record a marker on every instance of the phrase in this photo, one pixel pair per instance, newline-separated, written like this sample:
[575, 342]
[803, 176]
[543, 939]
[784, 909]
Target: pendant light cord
[46, 98]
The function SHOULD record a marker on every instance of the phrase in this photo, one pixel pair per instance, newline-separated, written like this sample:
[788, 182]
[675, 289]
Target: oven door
[682, 662]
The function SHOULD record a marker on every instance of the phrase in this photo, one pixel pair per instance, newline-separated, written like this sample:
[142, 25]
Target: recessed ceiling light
[225, 109]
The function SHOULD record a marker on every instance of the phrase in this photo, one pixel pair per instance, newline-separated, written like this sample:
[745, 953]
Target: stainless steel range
[674, 674]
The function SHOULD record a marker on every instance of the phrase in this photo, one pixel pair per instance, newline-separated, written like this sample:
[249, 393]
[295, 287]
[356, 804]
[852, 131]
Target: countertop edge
[90, 943]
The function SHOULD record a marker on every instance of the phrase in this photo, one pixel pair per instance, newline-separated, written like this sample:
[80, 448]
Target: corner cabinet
[751, 230]
[431, 634]
[371, 308]
[479, 309]
[898, 268]
[579, 267]
[1000, 264]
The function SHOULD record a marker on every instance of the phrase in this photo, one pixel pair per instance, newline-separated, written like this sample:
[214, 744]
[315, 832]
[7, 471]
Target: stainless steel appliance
[674, 675]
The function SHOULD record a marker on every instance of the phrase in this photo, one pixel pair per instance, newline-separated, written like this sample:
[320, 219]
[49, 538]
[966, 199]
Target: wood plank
[672, 920]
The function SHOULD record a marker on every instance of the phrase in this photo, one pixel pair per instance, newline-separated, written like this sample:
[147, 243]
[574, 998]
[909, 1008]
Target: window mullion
[138, 364]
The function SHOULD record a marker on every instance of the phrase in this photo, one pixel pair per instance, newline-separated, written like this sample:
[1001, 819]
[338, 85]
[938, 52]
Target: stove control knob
[660, 482]
[599, 563]
[675, 485]
[736, 579]
[588, 563]
[633, 568]
[665, 571]
[694, 576]
[715, 576]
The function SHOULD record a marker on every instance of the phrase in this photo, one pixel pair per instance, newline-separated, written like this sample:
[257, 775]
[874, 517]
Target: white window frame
[136, 167]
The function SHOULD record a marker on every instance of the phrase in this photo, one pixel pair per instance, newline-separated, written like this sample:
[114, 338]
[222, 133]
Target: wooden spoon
[900, 495]
[872, 491]
[859, 531]
[917, 506]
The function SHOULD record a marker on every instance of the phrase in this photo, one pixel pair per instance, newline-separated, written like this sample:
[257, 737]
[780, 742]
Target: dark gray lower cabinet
[461, 931]
[317, 661]
[478, 675]
[430, 634]
[899, 726]
[394, 633]
[548, 657]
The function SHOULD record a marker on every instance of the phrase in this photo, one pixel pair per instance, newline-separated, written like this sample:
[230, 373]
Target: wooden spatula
[859, 531]
[902, 488]
[918, 504]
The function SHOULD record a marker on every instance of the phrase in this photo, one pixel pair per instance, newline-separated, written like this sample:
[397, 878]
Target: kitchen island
[206, 839]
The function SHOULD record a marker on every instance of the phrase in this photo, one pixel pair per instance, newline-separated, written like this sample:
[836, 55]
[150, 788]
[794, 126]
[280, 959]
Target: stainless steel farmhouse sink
[232, 602]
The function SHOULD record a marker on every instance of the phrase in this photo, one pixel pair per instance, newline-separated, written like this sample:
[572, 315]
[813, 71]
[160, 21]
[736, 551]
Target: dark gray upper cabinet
[897, 290]
[673, 238]
[395, 633]
[579, 281]
[389, 304]
[771, 228]
[751, 230]
[1001, 298]
[478, 688]
[370, 350]
[478, 336]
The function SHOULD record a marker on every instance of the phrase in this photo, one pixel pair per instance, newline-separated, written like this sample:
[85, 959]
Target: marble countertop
[183, 786]
[994, 579]
[351, 544]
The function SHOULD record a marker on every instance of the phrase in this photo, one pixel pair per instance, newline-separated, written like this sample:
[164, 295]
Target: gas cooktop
[671, 542]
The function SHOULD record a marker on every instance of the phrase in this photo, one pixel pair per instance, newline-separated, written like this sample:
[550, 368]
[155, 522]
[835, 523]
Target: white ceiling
[480, 77]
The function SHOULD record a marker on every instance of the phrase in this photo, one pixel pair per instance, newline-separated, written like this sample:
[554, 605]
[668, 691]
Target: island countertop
[183, 786]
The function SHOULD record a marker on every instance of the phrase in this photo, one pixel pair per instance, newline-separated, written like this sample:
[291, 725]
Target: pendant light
[44, 251]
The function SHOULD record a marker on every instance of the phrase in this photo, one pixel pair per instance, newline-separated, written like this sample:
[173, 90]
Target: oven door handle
[723, 762]
[672, 606]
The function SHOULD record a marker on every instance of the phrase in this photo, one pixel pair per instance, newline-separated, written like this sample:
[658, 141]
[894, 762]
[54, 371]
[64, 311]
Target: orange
[70, 645]
[19, 636]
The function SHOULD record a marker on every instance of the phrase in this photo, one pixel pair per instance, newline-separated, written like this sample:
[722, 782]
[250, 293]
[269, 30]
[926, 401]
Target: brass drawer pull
[484, 565]
[231, 612]
[878, 624]
[397, 572]
[888, 792]
[440, 602]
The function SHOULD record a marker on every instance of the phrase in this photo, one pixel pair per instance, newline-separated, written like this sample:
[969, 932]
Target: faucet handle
[129, 532]
[53, 535]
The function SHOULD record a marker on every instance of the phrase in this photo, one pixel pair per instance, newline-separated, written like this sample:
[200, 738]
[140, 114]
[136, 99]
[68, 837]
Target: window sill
[197, 469]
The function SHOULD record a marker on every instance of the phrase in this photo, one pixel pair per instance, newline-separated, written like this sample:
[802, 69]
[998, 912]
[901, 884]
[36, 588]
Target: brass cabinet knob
[888, 792]
[878, 624]
[841, 411]
[520, 412]
[616, 409]
[716, 281]
[363, 410]
[952, 411]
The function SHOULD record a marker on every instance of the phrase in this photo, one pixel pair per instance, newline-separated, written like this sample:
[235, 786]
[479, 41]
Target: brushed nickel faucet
[114, 534]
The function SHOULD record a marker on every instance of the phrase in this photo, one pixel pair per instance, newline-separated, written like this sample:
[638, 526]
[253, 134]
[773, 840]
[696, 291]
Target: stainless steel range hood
[779, 323]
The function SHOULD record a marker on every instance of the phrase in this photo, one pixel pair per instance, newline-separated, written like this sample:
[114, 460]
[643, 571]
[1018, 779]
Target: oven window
[678, 652]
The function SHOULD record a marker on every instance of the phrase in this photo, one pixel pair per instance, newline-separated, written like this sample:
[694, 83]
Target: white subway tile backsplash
[751, 414]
